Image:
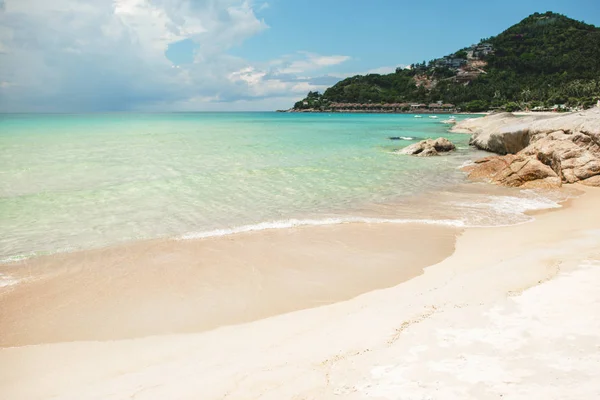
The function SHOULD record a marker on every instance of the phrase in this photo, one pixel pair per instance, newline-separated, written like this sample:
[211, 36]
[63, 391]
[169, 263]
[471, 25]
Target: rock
[442, 145]
[502, 133]
[421, 149]
[587, 122]
[593, 181]
[427, 152]
[429, 147]
[501, 141]
[485, 132]
[515, 171]
[573, 157]
[568, 145]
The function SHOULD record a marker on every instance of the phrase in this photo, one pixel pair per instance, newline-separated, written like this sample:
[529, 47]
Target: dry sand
[512, 314]
[542, 113]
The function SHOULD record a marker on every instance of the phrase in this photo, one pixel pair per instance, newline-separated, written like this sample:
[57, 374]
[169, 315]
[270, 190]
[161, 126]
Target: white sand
[542, 113]
[512, 314]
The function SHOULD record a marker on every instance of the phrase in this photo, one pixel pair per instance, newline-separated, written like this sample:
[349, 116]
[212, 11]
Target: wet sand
[168, 286]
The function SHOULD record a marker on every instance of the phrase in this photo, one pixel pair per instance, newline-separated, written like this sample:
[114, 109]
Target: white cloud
[311, 62]
[213, 104]
[88, 55]
[383, 70]
[249, 75]
[286, 75]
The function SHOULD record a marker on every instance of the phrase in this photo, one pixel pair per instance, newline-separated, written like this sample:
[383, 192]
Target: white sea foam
[17, 258]
[467, 163]
[26, 256]
[6, 280]
[292, 223]
[492, 211]
[519, 205]
[503, 210]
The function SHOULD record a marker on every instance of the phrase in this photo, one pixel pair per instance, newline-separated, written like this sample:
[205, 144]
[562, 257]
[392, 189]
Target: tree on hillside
[546, 58]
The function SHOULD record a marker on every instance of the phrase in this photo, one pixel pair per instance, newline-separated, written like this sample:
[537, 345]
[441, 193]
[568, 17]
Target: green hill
[544, 60]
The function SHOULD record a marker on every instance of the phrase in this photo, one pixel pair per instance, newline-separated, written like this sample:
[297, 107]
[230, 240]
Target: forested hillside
[545, 59]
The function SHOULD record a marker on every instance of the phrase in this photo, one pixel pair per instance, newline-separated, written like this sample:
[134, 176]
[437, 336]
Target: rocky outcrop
[502, 133]
[429, 147]
[541, 151]
[572, 156]
[593, 181]
[514, 170]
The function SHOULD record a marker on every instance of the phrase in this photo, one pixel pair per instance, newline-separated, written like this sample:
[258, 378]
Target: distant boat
[449, 121]
[418, 116]
[433, 117]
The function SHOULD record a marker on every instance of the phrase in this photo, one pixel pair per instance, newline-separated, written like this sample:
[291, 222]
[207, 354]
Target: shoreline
[377, 112]
[167, 286]
[417, 112]
[195, 283]
[421, 330]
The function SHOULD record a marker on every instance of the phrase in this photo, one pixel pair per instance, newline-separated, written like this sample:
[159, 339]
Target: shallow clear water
[81, 181]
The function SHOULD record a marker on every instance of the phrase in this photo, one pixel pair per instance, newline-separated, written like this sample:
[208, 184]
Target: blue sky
[388, 32]
[186, 55]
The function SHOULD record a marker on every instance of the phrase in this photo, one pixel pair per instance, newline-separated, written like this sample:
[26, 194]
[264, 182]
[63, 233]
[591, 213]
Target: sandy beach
[539, 113]
[392, 232]
[169, 286]
[509, 314]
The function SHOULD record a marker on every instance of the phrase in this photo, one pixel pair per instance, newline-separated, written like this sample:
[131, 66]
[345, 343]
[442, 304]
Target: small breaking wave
[510, 204]
[503, 210]
[293, 223]
[14, 259]
[513, 205]
[465, 164]
[476, 211]
[25, 256]
[6, 280]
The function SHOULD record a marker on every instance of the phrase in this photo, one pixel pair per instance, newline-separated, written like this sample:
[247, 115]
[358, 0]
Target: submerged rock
[541, 151]
[429, 147]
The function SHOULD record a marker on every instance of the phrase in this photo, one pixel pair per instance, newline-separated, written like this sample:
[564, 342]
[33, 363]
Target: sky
[228, 55]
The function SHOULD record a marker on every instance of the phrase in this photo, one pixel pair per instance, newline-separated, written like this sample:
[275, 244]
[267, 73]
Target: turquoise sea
[82, 181]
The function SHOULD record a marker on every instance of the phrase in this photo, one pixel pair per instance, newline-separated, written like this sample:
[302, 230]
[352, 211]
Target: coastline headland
[536, 151]
[380, 108]
[369, 112]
